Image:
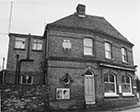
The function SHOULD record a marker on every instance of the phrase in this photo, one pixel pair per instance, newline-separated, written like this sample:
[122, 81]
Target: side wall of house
[34, 67]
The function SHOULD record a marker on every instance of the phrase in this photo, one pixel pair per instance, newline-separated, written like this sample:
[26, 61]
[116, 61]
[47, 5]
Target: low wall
[34, 98]
[24, 98]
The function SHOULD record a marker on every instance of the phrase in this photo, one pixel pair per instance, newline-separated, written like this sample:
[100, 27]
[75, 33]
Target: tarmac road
[132, 110]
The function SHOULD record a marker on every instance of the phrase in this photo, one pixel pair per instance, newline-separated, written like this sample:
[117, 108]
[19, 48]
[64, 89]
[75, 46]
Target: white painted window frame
[20, 42]
[88, 46]
[113, 94]
[108, 51]
[124, 55]
[36, 43]
[131, 92]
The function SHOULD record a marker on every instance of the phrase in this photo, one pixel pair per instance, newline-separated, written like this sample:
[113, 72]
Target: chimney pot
[81, 10]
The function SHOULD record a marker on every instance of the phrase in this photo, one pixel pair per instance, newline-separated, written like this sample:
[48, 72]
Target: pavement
[91, 110]
[127, 107]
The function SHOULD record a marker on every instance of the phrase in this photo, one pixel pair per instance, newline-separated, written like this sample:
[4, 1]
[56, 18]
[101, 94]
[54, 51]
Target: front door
[89, 89]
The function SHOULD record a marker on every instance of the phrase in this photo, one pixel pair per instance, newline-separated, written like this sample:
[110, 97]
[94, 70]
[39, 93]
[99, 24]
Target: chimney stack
[80, 10]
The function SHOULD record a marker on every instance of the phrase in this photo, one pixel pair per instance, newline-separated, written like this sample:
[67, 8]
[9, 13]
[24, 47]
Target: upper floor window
[110, 84]
[37, 44]
[108, 50]
[88, 46]
[124, 55]
[126, 85]
[20, 43]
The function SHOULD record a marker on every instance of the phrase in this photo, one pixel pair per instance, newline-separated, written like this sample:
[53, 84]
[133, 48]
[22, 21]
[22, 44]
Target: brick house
[25, 57]
[84, 60]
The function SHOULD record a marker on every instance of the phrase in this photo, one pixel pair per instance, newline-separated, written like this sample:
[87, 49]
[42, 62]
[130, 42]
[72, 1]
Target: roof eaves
[19, 34]
[124, 38]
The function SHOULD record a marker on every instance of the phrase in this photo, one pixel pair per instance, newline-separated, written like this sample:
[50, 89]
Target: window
[62, 93]
[37, 44]
[124, 54]
[20, 43]
[126, 85]
[108, 50]
[26, 79]
[88, 46]
[110, 84]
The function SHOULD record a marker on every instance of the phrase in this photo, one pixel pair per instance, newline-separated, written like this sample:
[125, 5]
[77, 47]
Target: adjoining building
[25, 59]
[83, 60]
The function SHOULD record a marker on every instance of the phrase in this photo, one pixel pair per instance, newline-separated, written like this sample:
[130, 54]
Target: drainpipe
[45, 77]
[17, 66]
[28, 48]
[3, 71]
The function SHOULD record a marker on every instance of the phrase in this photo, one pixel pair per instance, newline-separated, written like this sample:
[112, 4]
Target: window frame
[37, 43]
[18, 40]
[130, 84]
[88, 47]
[113, 94]
[108, 51]
[21, 81]
[124, 55]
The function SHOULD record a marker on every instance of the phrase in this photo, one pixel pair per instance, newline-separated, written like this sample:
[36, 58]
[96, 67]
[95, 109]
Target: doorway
[89, 82]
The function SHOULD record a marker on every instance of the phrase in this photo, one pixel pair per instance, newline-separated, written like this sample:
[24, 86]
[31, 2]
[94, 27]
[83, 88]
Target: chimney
[80, 10]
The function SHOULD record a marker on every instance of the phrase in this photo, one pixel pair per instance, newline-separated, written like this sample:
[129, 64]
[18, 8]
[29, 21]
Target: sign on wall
[66, 44]
[62, 93]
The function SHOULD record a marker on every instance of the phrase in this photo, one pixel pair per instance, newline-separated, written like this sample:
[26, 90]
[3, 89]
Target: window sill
[85, 55]
[111, 95]
[127, 94]
[109, 59]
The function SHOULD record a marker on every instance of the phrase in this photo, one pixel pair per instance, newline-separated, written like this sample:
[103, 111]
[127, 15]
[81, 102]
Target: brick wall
[56, 37]
[75, 63]
[19, 98]
[34, 67]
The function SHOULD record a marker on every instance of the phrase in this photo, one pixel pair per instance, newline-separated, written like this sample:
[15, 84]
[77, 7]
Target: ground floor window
[62, 93]
[110, 84]
[126, 85]
[26, 79]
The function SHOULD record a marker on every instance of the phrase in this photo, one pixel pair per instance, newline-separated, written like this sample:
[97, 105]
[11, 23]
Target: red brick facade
[75, 63]
[25, 64]
[67, 67]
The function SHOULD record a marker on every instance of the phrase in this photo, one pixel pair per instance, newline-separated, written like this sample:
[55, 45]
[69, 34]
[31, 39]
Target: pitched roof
[94, 23]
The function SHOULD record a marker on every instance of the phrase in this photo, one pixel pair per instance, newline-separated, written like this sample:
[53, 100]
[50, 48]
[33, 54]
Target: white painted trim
[111, 95]
[81, 15]
[90, 102]
[120, 88]
[128, 94]
[118, 67]
[134, 87]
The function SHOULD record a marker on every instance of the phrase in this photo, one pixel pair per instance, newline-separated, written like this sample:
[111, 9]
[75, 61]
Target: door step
[89, 106]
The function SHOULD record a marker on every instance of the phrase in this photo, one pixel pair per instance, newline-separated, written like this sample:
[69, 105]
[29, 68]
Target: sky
[31, 16]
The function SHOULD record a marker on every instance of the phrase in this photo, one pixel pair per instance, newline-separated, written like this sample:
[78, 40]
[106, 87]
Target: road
[132, 110]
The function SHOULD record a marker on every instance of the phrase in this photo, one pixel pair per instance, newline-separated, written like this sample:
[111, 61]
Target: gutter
[117, 67]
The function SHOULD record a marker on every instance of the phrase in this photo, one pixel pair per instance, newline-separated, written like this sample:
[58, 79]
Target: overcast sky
[30, 16]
